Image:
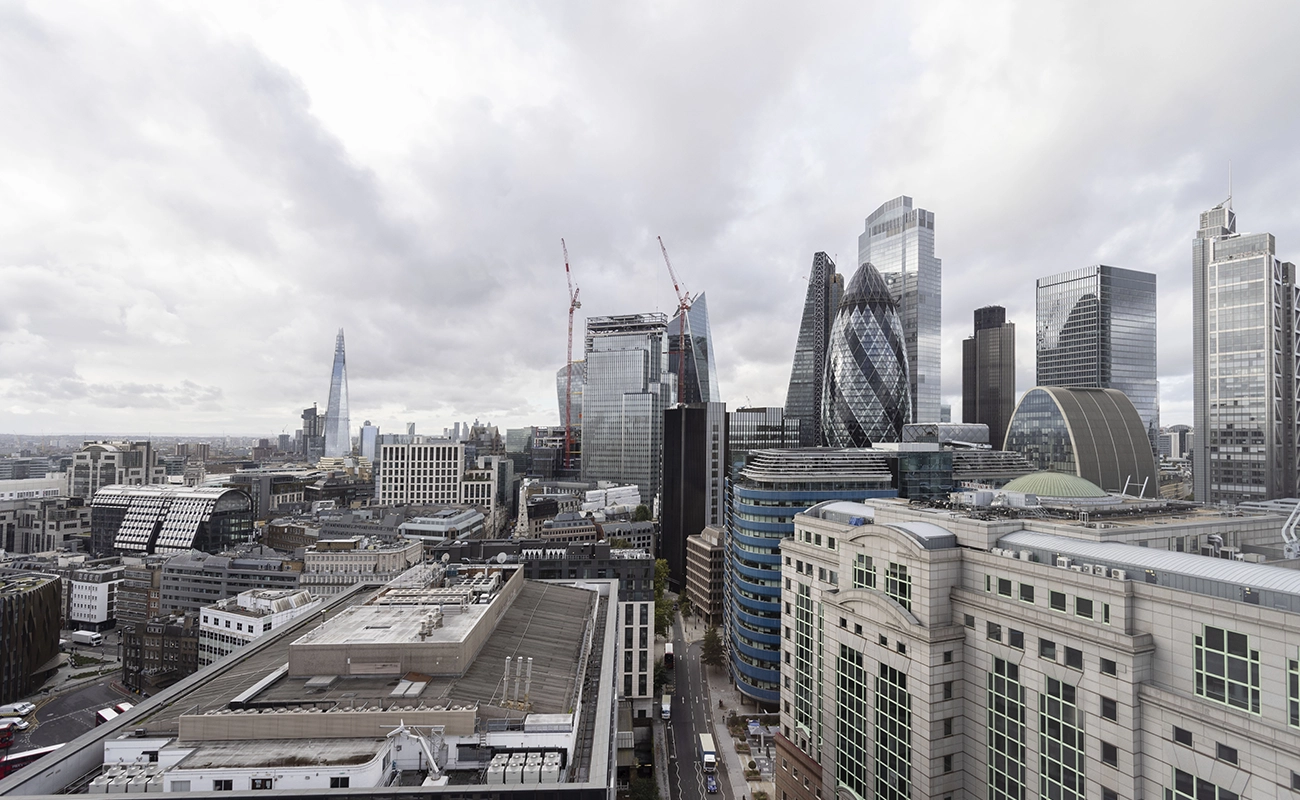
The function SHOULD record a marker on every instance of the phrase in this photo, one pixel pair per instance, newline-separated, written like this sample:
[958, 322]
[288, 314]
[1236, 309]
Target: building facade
[30, 617]
[803, 398]
[988, 372]
[695, 471]
[93, 595]
[143, 520]
[866, 397]
[899, 242]
[139, 597]
[936, 655]
[759, 429]
[159, 652]
[699, 373]
[100, 464]
[764, 497]
[627, 389]
[227, 625]
[332, 566]
[1096, 434]
[423, 471]
[191, 581]
[706, 573]
[1244, 364]
[1096, 329]
[338, 430]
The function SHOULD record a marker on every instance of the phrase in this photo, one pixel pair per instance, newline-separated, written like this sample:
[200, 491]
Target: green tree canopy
[711, 649]
[641, 514]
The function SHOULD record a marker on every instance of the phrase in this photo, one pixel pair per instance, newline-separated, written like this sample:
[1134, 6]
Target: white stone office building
[332, 565]
[929, 654]
[229, 624]
[92, 597]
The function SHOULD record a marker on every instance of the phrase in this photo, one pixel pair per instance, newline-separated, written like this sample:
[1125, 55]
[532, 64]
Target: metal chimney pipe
[528, 681]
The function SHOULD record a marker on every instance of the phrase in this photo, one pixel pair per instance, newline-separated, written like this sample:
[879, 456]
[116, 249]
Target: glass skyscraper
[1244, 364]
[899, 242]
[803, 399]
[338, 433]
[627, 388]
[1096, 329]
[866, 398]
[701, 372]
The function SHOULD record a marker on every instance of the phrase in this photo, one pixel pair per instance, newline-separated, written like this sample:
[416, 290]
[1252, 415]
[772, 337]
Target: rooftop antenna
[1229, 183]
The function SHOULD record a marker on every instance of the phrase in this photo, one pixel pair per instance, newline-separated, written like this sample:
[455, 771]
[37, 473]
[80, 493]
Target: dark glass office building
[694, 488]
[1097, 330]
[803, 400]
[988, 372]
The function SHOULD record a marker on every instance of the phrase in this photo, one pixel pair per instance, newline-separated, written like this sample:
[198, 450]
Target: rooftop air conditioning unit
[997, 551]
[1098, 569]
[1025, 555]
[1063, 562]
[1009, 553]
[1077, 567]
[1119, 574]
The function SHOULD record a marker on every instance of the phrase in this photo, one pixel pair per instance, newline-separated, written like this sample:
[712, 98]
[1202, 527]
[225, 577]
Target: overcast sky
[194, 198]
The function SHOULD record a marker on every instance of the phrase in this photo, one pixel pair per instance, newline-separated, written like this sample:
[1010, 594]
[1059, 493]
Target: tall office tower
[1244, 352]
[700, 374]
[421, 471]
[773, 486]
[899, 242]
[988, 373]
[627, 389]
[313, 434]
[369, 440]
[866, 397]
[338, 432]
[695, 459]
[803, 400]
[750, 429]
[1097, 330]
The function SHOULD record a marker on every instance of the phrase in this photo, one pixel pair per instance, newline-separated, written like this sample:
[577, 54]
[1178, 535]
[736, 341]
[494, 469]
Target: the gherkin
[866, 396]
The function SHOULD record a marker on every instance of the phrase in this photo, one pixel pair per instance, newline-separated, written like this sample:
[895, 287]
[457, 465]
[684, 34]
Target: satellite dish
[446, 557]
[501, 558]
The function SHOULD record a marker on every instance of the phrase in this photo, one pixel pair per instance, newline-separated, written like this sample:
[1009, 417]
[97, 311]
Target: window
[262, 783]
[222, 785]
[1108, 667]
[901, 647]
[1016, 638]
[994, 631]
[947, 726]
[180, 786]
[898, 585]
[970, 621]
[864, 572]
[1027, 592]
[1109, 754]
[1073, 658]
[1109, 708]
[1227, 670]
[947, 656]
[1105, 613]
[1004, 587]
[947, 690]
[1108, 794]
[947, 763]
[1188, 787]
[1047, 649]
[884, 640]
[1006, 732]
[339, 783]
[1183, 736]
[1061, 756]
[1293, 691]
[1225, 753]
[844, 623]
[830, 542]
[893, 735]
[1295, 782]
[1057, 600]
[1083, 607]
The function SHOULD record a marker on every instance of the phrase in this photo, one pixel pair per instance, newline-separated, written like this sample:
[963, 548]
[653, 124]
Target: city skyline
[432, 172]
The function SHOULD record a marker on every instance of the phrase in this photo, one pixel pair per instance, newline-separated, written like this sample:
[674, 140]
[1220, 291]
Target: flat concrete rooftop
[287, 753]
[385, 624]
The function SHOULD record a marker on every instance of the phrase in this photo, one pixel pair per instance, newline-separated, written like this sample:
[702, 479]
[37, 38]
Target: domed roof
[867, 287]
[1054, 484]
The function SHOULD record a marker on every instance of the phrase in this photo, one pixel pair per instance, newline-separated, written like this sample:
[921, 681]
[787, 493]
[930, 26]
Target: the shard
[803, 400]
[867, 397]
[338, 437]
[700, 375]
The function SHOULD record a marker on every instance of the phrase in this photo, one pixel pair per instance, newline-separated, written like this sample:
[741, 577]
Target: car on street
[17, 709]
[22, 725]
[711, 784]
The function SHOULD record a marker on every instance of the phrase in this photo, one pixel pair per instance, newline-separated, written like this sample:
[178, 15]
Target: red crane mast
[683, 305]
[574, 304]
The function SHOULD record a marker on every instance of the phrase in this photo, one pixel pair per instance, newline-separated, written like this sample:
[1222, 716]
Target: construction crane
[574, 304]
[683, 326]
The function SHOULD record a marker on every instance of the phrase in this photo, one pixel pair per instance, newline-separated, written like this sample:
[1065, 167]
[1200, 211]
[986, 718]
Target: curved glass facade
[762, 501]
[1096, 434]
[866, 398]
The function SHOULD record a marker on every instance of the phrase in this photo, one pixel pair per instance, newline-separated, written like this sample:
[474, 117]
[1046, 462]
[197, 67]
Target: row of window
[1057, 601]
